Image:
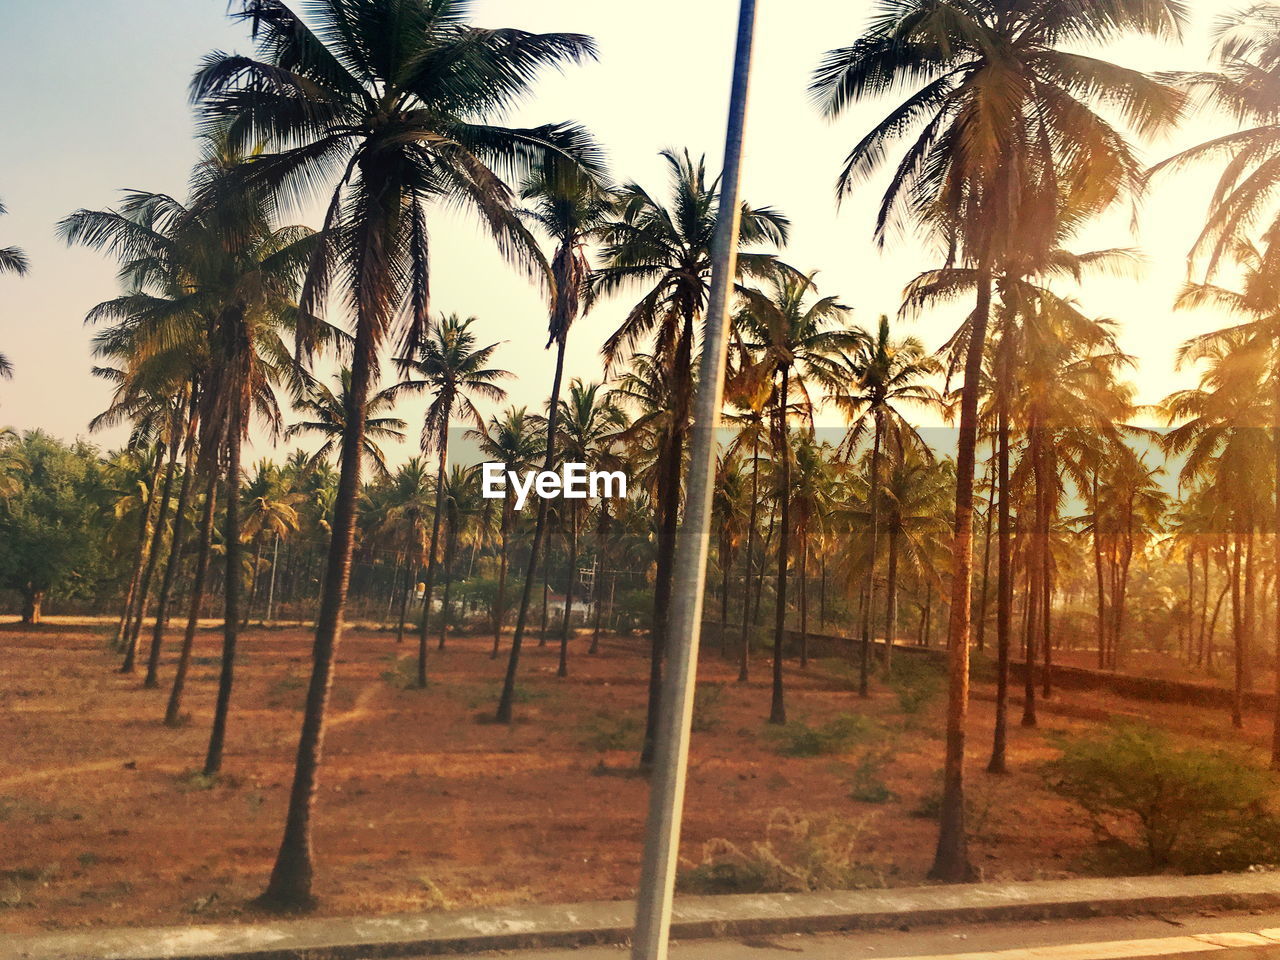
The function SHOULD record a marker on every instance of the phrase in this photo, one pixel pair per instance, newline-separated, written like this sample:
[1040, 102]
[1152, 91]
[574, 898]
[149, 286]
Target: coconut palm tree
[391, 104]
[12, 260]
[589, 424]
[799, 341]
[570, 206]
[882, 378]
[449, 365]
[1000, 115]
[325, 412]
[665, 249]
[512, 439]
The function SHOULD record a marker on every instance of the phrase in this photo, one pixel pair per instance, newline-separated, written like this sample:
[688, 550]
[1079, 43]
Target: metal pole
[666, 795]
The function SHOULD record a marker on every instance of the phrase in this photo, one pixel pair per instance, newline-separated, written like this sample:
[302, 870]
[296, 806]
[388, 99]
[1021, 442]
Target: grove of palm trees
[979, 605]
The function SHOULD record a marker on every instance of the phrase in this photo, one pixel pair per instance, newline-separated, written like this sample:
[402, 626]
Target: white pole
[666, 795]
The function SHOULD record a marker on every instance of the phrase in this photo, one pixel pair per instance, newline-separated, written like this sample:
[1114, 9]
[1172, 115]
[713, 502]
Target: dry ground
[425, 804]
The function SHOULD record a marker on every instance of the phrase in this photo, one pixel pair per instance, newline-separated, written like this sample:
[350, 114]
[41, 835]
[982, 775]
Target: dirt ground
[424, 804]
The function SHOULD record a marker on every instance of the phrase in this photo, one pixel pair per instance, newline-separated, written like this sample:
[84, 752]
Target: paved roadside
[738, 917]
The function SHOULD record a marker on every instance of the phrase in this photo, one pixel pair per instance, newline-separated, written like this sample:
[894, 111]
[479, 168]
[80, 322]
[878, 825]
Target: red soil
[423, 805]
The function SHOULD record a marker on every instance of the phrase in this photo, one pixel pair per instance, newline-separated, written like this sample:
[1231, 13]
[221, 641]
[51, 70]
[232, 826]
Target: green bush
[1162, 806]
[605, 732]
[708, 704]
[867, 783]
[916, 680]
[797, 855]
[798, 739]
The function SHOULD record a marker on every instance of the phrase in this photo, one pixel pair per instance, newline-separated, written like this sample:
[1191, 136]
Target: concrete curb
[508, 928]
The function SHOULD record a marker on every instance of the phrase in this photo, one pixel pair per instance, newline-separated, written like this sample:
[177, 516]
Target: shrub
[867, 783]
[605, 732]
[708, 703]
[1189, 808]
[797, 855]
[798, 739]
[916, 681]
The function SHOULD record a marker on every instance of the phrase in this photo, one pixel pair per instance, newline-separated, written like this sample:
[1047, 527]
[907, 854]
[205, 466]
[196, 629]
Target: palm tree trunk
[231, 597]
[145, 510]
[804, 602]
[290, 884]
[1275, 546]
[432, 550]
[546, 595]
[1004, 569]
[891, 601]
[500, 601]
[449, 536]
[951, 860]
[1237, 634]
[255, 578]
[157, 545]
[1035, 571]
[507, 701]
[749, 561]
[410, 568]
[175, 557]
[173, 710]
[563, 669]
[869, 590]
[1101, 632]
[726, 567]
[778, 709]
[1250, 605]
[986, 561]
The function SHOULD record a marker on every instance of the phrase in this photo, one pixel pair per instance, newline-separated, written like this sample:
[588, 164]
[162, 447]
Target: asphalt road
[1223, 936]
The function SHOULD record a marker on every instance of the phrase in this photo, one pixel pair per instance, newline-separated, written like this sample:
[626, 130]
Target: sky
[93, 96]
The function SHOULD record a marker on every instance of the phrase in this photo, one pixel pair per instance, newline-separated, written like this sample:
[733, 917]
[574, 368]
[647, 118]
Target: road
[1224, 936]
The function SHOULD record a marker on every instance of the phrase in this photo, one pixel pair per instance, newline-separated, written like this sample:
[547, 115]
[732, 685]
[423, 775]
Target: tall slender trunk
[563, 669]
[500, 600]
[146, 514]
[749, 560]
[1101, 631]
[173, 709]
[231, 596]
[432, 550]
[290, 884]
[1202, 654]
[951, 861]
[255, 578]
[1036, 561]
[1004, 567]
[986, 561]
[507, 701]
[1237, 634]
[804, 601]
[869, 590]
[778, 709]
[891, 601]
[822, 588]
[546, 596]
[175, 554]
[1250, 605]
[411, 565]
[447, 567]
[157, 545]
[726, 567]
[1275, 546]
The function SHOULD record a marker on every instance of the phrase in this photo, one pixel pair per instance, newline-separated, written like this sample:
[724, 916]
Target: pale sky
[93, 99]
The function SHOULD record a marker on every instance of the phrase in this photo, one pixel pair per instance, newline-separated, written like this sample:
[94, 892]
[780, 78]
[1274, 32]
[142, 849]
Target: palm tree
[666, 250]
[794, 338]
[569, 206]
[325, 413]
[391, 102]
[882, 377]
[269, 512]
[589, 425]
[12, 260]
[1001, 118]
[454, 369]
[511, 439]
